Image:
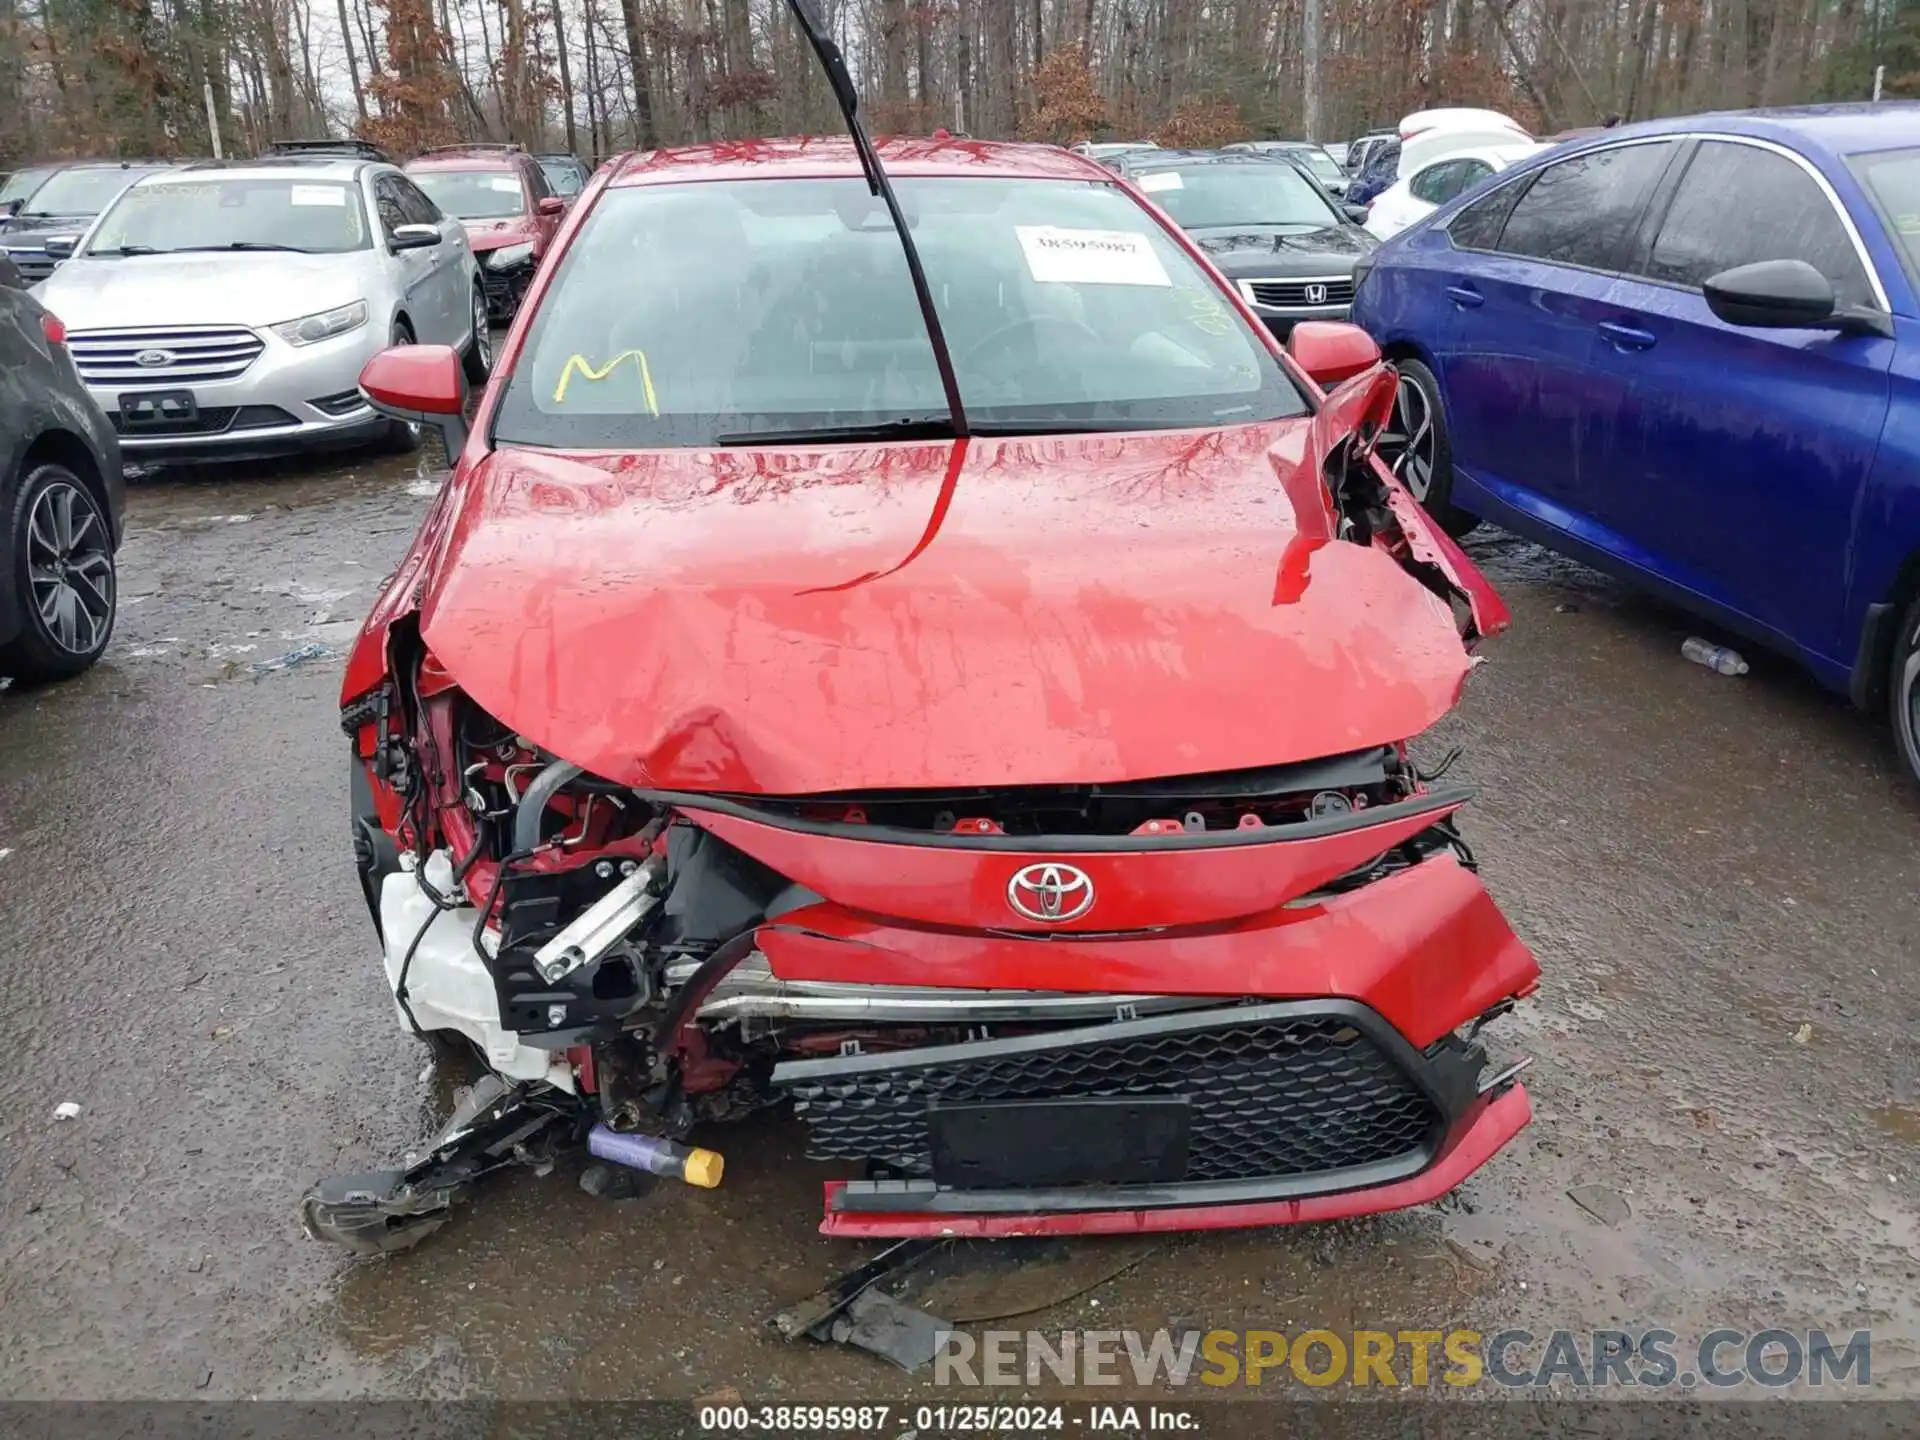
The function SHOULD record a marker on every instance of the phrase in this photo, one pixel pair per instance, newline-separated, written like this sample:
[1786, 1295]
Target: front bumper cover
[1487, 1126]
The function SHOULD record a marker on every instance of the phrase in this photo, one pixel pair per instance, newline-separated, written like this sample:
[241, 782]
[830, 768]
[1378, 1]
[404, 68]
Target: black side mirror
[1356, 213]
[60, 247]
[10, 276]
[1787, 295]
[414, 237]
[10, 208]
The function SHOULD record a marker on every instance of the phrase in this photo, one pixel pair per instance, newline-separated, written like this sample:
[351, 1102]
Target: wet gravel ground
[1718, 875]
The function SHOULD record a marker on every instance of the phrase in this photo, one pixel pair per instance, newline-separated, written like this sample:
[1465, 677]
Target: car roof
[477, 158]
[1828, 130]
[270, 167]
[64, 165]
[1174, 159]
[821, 157]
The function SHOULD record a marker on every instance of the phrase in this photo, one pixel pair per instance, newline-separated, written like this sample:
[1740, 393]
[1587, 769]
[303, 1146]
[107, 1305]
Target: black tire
[477, 360]
[1903, 692]
[400, 437]
[1418, 449]
[61, 567]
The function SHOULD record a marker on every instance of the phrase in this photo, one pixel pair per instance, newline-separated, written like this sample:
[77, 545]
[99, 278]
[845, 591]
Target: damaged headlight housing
[508, 256]
[324, 326]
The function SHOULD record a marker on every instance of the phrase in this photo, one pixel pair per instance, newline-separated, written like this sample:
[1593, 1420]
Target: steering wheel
[1001, 338]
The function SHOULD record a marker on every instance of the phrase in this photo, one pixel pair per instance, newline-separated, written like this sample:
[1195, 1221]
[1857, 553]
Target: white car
[1438, 178]
[224, 311]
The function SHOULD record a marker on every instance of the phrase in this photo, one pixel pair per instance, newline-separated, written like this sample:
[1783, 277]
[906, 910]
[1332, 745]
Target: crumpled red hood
[992, 612]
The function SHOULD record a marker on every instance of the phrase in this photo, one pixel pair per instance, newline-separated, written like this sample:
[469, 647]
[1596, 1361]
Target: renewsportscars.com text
[1407, 1359]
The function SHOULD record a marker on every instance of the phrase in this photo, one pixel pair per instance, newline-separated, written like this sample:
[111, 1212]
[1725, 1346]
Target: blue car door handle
[1625, 337]
[1465, 297]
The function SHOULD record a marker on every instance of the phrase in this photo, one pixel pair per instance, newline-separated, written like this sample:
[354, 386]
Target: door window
[386, 199]
[1738, 204]
[1436, 184]
[414, 203]
[1477, 227]
[1584, 210]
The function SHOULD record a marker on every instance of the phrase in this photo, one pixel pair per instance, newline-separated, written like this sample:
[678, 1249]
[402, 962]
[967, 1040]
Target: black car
[19, 186]
[65, 203]
[1286, 244]
[566, 174]
[61, 495]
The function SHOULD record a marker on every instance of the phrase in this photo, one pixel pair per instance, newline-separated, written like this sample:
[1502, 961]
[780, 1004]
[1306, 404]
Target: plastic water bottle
[1714, 657]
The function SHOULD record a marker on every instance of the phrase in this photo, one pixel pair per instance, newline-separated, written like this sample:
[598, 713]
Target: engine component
[602, 925]
[751, 989]
[658, 1157]
[533, 804]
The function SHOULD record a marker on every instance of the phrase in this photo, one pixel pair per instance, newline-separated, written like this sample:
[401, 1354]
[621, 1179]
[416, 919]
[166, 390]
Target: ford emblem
[153, 359]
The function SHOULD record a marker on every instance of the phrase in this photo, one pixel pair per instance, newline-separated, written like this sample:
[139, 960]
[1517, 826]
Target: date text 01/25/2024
[989, 1419]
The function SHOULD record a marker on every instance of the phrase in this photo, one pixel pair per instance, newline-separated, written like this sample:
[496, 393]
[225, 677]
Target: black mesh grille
[34, 265]
[211, 420]
[1291, 1096]
[503, 288]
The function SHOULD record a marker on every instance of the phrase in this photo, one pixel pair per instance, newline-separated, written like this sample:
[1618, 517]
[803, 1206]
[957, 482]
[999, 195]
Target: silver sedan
[225, 311]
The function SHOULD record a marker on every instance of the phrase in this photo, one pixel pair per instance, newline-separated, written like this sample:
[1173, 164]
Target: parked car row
[174, 283]
[159, 311]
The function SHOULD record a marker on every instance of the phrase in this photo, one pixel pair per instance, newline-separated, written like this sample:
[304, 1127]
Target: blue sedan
[1687, 352]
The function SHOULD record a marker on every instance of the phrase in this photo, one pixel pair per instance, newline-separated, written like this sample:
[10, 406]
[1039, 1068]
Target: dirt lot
[1719, 877]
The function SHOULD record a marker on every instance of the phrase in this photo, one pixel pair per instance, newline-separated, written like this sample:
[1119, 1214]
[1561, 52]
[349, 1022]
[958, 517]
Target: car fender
[1362, 407]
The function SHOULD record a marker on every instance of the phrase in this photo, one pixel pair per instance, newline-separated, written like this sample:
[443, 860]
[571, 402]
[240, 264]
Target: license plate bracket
[1021, 1144]
[158, 409]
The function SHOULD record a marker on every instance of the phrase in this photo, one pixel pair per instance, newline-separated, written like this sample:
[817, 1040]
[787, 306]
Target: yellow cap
[703, 1168]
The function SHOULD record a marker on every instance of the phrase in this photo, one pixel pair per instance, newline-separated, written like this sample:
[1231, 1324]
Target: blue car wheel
[1416, 448]
[1904, 691]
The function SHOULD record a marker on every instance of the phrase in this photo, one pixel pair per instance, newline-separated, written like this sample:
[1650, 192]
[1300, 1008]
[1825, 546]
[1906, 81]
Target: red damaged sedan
[1020, 788]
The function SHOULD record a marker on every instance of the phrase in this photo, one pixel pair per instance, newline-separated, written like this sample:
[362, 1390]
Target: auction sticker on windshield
[1090, 257]
[319, 195]
[1162, 180]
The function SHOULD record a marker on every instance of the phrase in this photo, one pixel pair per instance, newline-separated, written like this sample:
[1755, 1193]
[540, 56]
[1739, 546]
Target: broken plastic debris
[66, 1110]
[312, 650]
[1803, 1035]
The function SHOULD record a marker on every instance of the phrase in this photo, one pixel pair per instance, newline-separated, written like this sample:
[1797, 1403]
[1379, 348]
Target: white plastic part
[447, 985]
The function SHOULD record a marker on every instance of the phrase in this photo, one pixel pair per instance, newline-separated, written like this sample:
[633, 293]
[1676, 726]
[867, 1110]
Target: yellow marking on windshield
[1208, 313]
[580, 365]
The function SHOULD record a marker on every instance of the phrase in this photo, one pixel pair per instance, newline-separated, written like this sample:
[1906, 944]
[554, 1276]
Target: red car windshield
[473, 194]
[715, 313]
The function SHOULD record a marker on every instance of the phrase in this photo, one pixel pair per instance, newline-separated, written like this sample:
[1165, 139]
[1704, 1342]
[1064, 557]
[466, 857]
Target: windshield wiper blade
[909, 427]
[239, 245]
[847, 96]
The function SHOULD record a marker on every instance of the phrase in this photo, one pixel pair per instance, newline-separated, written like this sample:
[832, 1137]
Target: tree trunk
[1310, 66]
[353, 65]
[647, 136]
[566, 77]
[1637, 67]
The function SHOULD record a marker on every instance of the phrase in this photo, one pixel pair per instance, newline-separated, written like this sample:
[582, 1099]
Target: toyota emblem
[153, 359]
[1316, 294]
[1050, 893]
